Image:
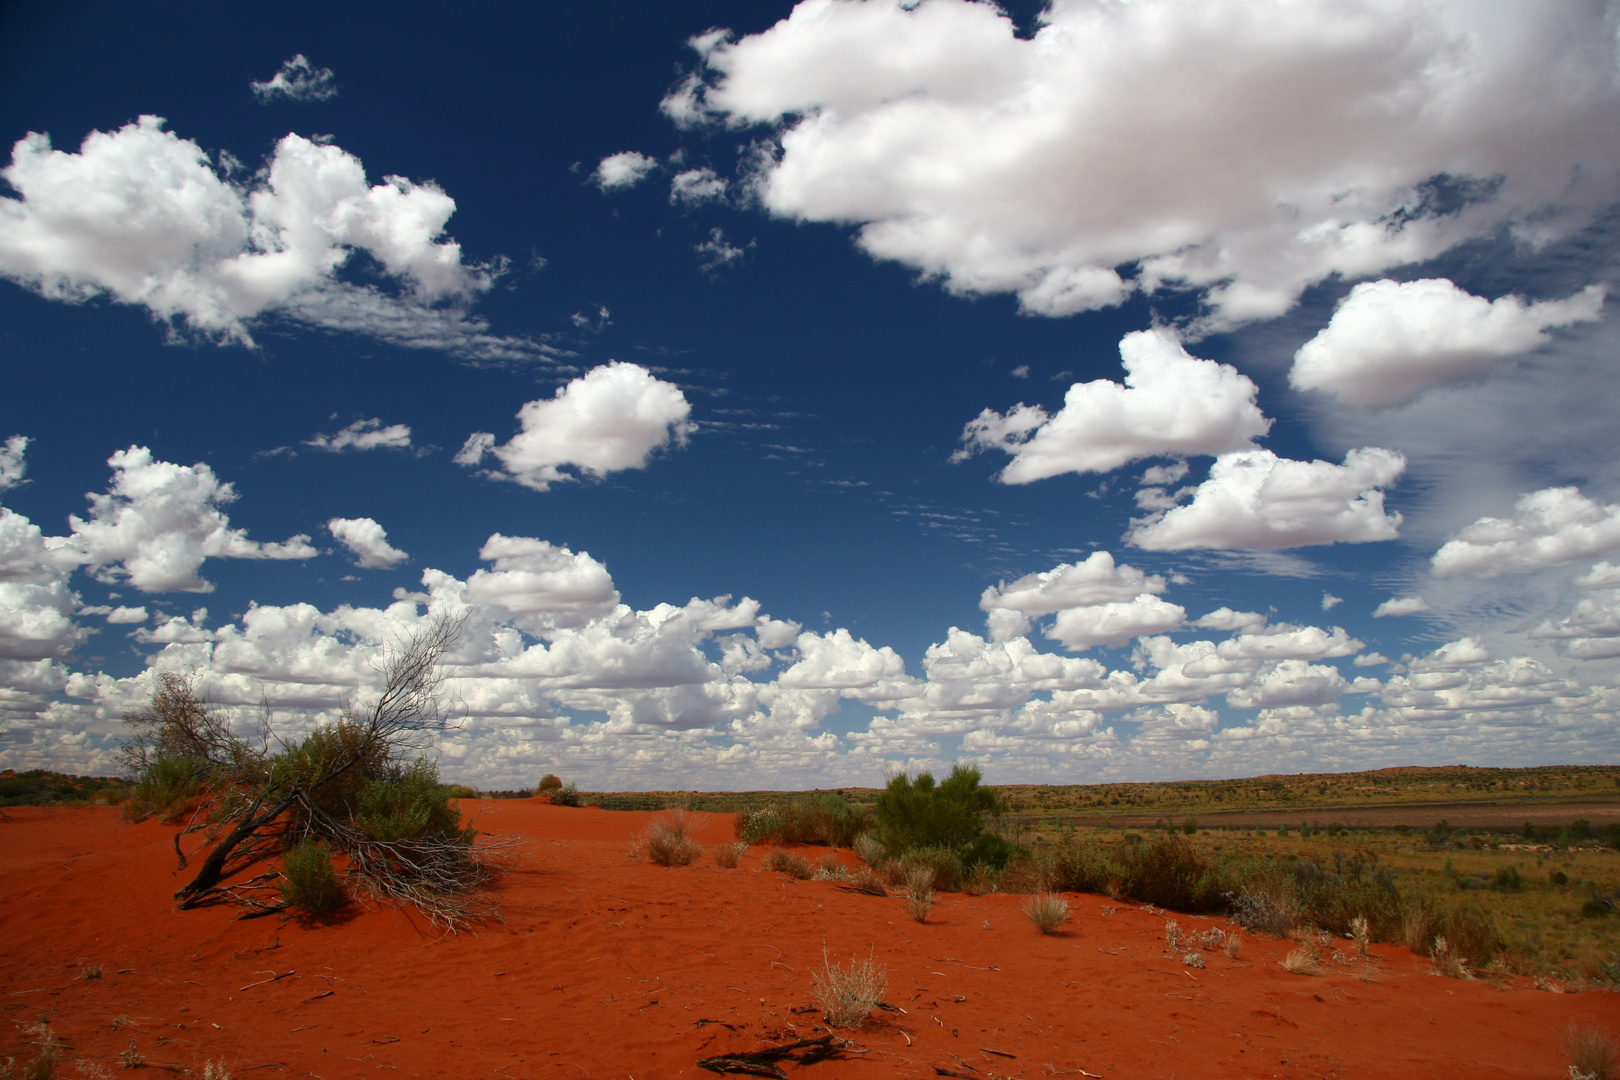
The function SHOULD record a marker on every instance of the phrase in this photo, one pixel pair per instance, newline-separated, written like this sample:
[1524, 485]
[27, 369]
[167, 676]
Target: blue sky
[787, 395]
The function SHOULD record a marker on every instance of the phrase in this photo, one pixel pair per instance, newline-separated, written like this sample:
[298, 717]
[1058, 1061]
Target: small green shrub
[548, 783]
[564, 795]
[308, 882]
[459, 791]
[1189, 826]
[1169, 871]
[1508, 879]
[409, 805]
[167, 787]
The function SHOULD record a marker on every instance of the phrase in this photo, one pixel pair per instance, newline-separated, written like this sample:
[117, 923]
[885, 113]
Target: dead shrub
[785, 862]
[1360, 934]
[1234, 944]
[726, 856]
[1045, 912]
[47, 1053]
[871, 852]
[668, 842]
[847, 993]
[1594, 1052]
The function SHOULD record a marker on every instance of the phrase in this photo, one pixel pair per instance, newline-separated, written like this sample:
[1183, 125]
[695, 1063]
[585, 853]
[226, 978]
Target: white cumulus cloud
[1336, 140]
[364, 435]
[610, 419]
[1171, 404]
[1550, 527]
[298, 80]
[158, 522]
[696, 186]
[1096, 603]
[140, 215]
[1401, 605]
[367, 541]
[1389, 341]
[1257, 500]
[12, 465]
[534, 577]
[623, 170]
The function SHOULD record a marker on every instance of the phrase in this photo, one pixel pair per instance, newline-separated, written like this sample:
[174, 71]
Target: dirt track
[1497, 816]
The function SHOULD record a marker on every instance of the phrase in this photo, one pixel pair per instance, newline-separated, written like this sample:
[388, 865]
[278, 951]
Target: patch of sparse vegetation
[785, 862]
[308, 882]
[668, 840]
[919, 893]
[1594, 1052]
[1045, 912]
[847, 993]
[812, 819]
[1304, 959]
[350, 784]
[726, 856]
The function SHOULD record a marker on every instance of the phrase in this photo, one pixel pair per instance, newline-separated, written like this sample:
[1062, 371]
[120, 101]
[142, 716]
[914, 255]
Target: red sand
[605, 967]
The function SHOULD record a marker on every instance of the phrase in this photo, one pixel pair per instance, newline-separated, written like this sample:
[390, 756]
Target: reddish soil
[605, 967]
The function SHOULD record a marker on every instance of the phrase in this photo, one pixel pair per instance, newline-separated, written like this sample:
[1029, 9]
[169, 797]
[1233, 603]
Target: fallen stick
[273, 978]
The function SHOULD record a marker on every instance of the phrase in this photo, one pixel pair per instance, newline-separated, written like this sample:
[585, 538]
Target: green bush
[1508, 879]
[308, 881]
[409, 805]
[548, 783]
[459, 791]
[166, 787]
[328, 746]
[913, 814]
[1169, 871]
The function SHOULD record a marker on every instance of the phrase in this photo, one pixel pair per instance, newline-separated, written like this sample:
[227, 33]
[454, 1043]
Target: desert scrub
[919, 893]
[726, 856]
[668, 841]
[1045, 912]
[815, 819]
[308, 882]
[867, 881]
[941, 864]
[847, 993]
[1594, 1052]
[778, 861]
[1304, 959]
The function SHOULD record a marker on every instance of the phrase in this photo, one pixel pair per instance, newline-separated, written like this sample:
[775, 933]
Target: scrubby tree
[355, 786]
[918, 813]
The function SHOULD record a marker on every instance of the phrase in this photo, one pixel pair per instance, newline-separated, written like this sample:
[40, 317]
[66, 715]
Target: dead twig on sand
[763, 1062]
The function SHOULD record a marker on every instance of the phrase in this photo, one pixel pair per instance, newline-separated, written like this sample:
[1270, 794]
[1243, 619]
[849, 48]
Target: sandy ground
[604, 967]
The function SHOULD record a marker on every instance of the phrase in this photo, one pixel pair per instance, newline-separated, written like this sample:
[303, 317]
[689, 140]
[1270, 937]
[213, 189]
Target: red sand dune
[605, 967]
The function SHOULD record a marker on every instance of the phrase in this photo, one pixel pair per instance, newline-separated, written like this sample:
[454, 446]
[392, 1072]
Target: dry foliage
[726, 856]
[779, 861]
[1234, 944]
[1447, 962]
[1303, 959]
[1045, 912]
[867, 881]
[1594, 1052]
[847, 993]
[870, 851]
[920, 893]
[668, 841]
[1360, 934]
[1172, 933]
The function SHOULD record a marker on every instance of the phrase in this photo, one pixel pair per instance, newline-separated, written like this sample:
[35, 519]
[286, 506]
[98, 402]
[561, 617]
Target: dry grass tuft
[1304, 959]
[920, 893]
[91, 1070]
[1594, 1052]
[1234, 944]
[1360, 934]
[1172, 934]
[870, 851]
[90, 971]
[216, 1070]
[47, 1052]
[668, 841]
[1045, 912]
[1447, 962]
[727, 855]
[778, 861]
[847, 993]
[867, 881]
[1193, 959]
